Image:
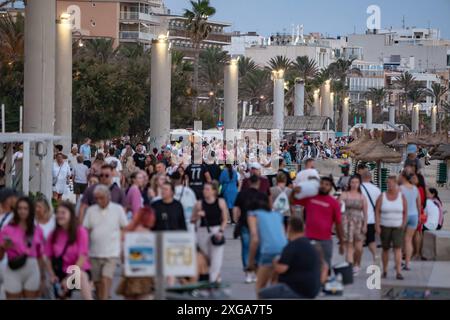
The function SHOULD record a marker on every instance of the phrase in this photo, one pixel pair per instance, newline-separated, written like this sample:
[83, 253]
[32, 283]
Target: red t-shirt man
[322, 212]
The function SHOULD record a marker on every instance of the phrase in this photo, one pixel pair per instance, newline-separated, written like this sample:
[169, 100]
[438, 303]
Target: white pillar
[250, 110]
[244, 110]
[278, 100]
[39, 86]
[21, 119]
[433, 119]
[415, 118]
[231, 83]
[299, 100]
[3, 119]
[161, 66]
[369, 115]
[316, 105]
[63, 95]
[327, 108]
[392, 114]
[345, 111]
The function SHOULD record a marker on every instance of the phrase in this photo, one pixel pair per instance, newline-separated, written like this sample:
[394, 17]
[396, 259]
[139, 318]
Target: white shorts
[26, 278]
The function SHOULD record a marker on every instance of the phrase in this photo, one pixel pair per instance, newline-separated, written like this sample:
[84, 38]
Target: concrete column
[345, 110]
[316, 106]
[278, 100]
[392, 114]
[415, 118]
[326, 99]
[160, 93]
[244, 110]
[299, 100]
[433, 119]
[39, 86]
[369, 115]
[231, 83]
[250, 110]
[63, 95]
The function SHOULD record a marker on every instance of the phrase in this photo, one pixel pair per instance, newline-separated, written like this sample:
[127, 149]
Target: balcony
[136, 35]
[139, 16]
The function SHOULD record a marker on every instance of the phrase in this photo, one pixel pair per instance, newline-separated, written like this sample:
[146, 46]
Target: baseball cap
[255, 165]
[412, 148]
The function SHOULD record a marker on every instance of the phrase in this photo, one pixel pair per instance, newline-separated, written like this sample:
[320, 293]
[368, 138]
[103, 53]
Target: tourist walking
[267, 234]
[437, 201]
[323, 211]
[168, 211]
[279, 197]
[412, 197]
[354, 222]
[23, 244]
[104, 222]
[135, 200]
[212, 212]
[246, 201]
[391, 218]
[80, 174]
[68, 247]
[186, 197]
[44, 217]
[60, 176]
[229, 187]
[97, 165]
[85, 151]
[106, 179]
[371, 192]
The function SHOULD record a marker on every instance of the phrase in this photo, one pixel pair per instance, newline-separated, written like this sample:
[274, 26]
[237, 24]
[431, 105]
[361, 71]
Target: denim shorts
[413, 221]
[266, 259]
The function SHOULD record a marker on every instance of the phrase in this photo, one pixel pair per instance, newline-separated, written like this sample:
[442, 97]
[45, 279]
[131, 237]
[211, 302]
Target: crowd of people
[286, 221]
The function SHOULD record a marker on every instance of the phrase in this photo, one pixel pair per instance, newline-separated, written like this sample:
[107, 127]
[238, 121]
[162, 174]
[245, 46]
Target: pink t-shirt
[321, 212]
[79, 248]
[19, 240]
[134, 199]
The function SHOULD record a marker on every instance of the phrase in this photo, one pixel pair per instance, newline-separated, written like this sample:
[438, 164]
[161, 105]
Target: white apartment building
[396, 51]
[323, 56]
[372, 77]
[242, 41]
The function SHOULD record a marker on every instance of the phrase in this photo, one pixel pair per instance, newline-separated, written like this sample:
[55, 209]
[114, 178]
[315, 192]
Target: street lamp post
[433, 119]
[63, 81]
[327, 107]
[316, 106]
[161, 66]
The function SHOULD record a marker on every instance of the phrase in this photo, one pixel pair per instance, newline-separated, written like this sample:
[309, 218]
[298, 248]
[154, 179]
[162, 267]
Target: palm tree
[405, 82]
[437, 91]
[378, 96]
[198, 30]
[416, 94]
[305, 68]
[246, 65]
[211, 69]
[101, 49]
[339, 71]
[256, 87]
[279, 63]
[12, 66]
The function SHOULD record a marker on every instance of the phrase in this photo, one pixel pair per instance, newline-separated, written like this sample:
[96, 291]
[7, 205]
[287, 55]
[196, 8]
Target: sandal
[399, 276]
[406, 268]
[384, 276]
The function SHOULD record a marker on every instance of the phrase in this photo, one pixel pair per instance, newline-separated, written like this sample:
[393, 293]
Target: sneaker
[248, 278]
[356, 270]
[254, 277]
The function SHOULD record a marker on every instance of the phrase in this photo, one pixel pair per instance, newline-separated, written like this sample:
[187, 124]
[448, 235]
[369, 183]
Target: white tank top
[392, 211]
